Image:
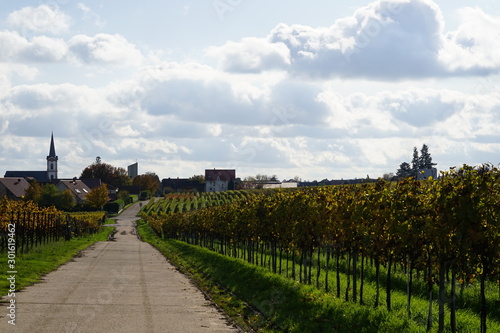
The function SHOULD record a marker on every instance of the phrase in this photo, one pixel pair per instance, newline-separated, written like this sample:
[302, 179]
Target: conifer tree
[415, 162]
[404, 170]
[425, 160]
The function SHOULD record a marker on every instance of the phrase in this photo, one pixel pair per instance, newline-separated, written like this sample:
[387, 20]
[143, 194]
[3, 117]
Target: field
[427, 251]
[25, 226]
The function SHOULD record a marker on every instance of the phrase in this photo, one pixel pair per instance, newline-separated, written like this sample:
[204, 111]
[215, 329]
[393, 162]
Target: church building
[46, 176]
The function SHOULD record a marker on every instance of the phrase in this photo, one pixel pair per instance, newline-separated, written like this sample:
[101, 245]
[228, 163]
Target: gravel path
[123, 285]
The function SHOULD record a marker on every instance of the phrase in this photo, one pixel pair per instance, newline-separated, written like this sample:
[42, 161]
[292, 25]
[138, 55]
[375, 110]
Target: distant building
[133, 170]
[218, 180]
[112, 192]
[77, 187]
[424, 174]
[326, 182]
[52, 160]
[92, 183]
[13, 188]
[47, 176]
[278, 184]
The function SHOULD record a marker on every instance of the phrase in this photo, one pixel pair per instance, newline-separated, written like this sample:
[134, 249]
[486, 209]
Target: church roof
[40, 176]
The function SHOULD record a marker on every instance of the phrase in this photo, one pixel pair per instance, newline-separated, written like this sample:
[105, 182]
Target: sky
[323, 89]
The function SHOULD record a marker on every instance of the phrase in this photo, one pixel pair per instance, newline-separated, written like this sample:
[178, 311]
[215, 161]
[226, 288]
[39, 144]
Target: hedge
[114, 206]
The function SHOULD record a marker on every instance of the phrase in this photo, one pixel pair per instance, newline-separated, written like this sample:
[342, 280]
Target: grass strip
[262, 301]
[110, 221]
[43, 259]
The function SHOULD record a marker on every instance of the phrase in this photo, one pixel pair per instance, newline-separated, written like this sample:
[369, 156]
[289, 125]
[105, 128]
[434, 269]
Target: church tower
[52, 160]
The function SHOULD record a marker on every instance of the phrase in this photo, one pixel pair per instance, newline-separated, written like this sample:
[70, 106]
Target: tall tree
[388, 176]
[34, 192]
[404, 170]
[97, 197]
[107, 173]
[65, 201]
[148, 182]
[418, 162]
[198, 178]
[425, 161]
[415, 162]
[50, 196]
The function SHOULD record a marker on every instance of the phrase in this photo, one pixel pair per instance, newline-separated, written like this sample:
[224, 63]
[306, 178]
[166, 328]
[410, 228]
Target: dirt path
[118, 286]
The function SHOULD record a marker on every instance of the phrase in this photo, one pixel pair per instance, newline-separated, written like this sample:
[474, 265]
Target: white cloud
[190, 92]
[41, 19]
[385, 40]
[473, 47]
[270, 105]
[215, 129]
[18, 49]
[9, 72]
[11, 44]
[104, 48]
[43, 48]
[359, 133]
[420, 108]
[90, 16]
[31, 109]
[101, 49]
[251, 55]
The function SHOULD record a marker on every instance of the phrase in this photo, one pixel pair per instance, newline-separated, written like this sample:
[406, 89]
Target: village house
[77, 188]
[218, 180]
[13, 188]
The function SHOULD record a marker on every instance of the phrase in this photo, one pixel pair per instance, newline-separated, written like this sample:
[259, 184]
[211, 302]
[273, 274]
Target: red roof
[220, 174]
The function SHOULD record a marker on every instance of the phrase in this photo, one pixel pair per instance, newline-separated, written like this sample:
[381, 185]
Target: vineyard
[183, 203]
[35, 226]
[434, 242]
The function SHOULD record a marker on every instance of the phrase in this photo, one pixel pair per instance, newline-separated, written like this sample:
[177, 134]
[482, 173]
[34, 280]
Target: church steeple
[52, 151]
[52, 160]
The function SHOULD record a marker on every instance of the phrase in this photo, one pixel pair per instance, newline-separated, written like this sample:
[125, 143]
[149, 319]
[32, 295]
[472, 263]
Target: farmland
[427, 251]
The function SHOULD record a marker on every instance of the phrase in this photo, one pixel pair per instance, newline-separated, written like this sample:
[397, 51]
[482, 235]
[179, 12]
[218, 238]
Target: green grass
[109, 221]
[468, 302]
[43, 259]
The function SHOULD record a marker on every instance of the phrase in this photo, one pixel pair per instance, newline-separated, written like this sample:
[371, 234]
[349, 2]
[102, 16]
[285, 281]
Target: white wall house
[218, 180]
